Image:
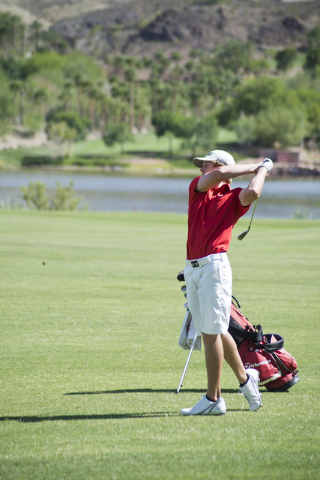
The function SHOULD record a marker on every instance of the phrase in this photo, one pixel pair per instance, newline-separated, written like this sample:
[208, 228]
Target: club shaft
[253, 213]
[187, 363]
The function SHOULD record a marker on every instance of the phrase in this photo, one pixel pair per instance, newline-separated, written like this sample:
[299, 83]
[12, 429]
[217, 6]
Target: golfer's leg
[232, 357]
[214, 359]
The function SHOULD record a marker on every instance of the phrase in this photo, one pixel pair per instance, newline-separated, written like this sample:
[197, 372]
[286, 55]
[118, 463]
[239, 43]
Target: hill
[135, 27]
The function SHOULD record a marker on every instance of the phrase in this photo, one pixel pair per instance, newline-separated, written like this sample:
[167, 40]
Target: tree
[278, 124]
[63, 136]
[313, 116]
[118, 64]
[256, 94]
[40, 97]
[117, 133]
[189, 66]
[5, 28]
[131, 76]
[285, 58]
[66, 94]
[73, 120]
[35, 29]
[199, 133]
[245, 128]
[314, 37]
[7, 109]
[313, 59]
[20, 88]
[79, 83]
[233, 56]
[163, 123]
[15, 24]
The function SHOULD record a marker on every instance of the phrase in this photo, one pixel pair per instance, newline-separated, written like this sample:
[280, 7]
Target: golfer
[214, 209]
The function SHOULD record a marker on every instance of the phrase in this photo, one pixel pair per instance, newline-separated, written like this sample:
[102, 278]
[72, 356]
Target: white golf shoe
[206, 407]
[251, 391]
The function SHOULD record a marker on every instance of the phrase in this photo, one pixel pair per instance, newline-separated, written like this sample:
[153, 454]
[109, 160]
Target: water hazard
[102, 192]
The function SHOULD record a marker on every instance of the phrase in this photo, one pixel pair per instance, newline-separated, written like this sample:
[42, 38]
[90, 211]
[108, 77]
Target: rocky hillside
[138, 27]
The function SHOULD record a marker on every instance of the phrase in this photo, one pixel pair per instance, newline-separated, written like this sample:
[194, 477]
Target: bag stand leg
[187, 363]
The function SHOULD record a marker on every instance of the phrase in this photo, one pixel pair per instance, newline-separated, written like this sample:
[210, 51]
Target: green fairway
[90, 315]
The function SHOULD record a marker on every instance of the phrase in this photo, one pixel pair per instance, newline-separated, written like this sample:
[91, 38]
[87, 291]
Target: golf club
[243, 234]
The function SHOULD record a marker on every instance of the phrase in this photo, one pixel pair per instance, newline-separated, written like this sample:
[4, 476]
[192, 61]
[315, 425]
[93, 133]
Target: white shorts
[209, 290]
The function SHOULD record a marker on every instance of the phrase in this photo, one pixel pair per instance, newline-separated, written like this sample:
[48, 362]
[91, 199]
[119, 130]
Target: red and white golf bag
[277, 368]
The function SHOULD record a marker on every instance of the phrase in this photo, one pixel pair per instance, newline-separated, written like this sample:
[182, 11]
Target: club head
[243, 234]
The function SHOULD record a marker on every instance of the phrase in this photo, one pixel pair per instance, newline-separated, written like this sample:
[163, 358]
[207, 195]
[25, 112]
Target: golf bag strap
[254, 337]
[272, 347]
[237, 302]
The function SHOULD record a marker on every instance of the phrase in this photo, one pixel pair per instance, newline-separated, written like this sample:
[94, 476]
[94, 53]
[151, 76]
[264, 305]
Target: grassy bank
[146, 153]
[90, 318]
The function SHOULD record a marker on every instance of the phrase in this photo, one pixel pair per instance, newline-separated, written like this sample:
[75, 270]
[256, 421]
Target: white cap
[215, 156]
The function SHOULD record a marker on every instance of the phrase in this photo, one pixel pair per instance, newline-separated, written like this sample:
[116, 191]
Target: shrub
[73, 120]
[285, 58]
[35, 195]
[29, 161]
[313, 59]
[117, 133]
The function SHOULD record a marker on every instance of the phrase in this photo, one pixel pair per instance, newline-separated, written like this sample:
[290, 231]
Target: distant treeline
[267, 97]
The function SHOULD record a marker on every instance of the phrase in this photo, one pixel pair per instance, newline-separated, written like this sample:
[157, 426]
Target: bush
[285, 58]
[29, 161]
[73, 121]
[313, 59]
[36, 198]
[46, 60]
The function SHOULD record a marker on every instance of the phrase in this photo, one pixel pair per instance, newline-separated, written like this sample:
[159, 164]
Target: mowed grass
[90, 360]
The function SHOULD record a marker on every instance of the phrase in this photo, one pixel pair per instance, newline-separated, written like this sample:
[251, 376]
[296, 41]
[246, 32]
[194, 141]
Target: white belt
[199, 262]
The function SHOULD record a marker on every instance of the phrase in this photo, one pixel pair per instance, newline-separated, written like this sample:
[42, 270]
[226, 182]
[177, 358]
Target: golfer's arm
[254, 189]
[219, 174]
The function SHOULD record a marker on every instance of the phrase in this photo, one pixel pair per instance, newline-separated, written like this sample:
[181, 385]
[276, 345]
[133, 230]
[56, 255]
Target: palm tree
[40, 97]
[5, 28]
[20, 88]
[118, 64]
[66, 94]
[35, 28]
[15, 23]
[155, 85]
[130, 76]
[87, 85]
[51, 38]
[189, 66]
[176, 57]
[94, 95]
[22, 35]
[79, 81]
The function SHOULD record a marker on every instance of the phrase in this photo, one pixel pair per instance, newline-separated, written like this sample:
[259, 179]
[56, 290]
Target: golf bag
[264, 352]
[277, 368]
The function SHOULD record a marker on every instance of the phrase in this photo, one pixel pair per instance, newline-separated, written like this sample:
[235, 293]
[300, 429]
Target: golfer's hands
[267, 163]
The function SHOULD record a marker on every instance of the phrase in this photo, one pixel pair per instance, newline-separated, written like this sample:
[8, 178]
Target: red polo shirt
[211, 218]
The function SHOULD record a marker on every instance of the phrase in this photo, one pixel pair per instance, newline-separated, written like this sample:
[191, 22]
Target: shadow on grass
[110, 416]
[150, 390]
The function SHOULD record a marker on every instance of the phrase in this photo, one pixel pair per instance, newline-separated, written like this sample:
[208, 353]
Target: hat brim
[198, 161]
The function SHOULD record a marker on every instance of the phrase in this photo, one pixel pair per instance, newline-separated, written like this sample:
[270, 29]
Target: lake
[114, 192]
